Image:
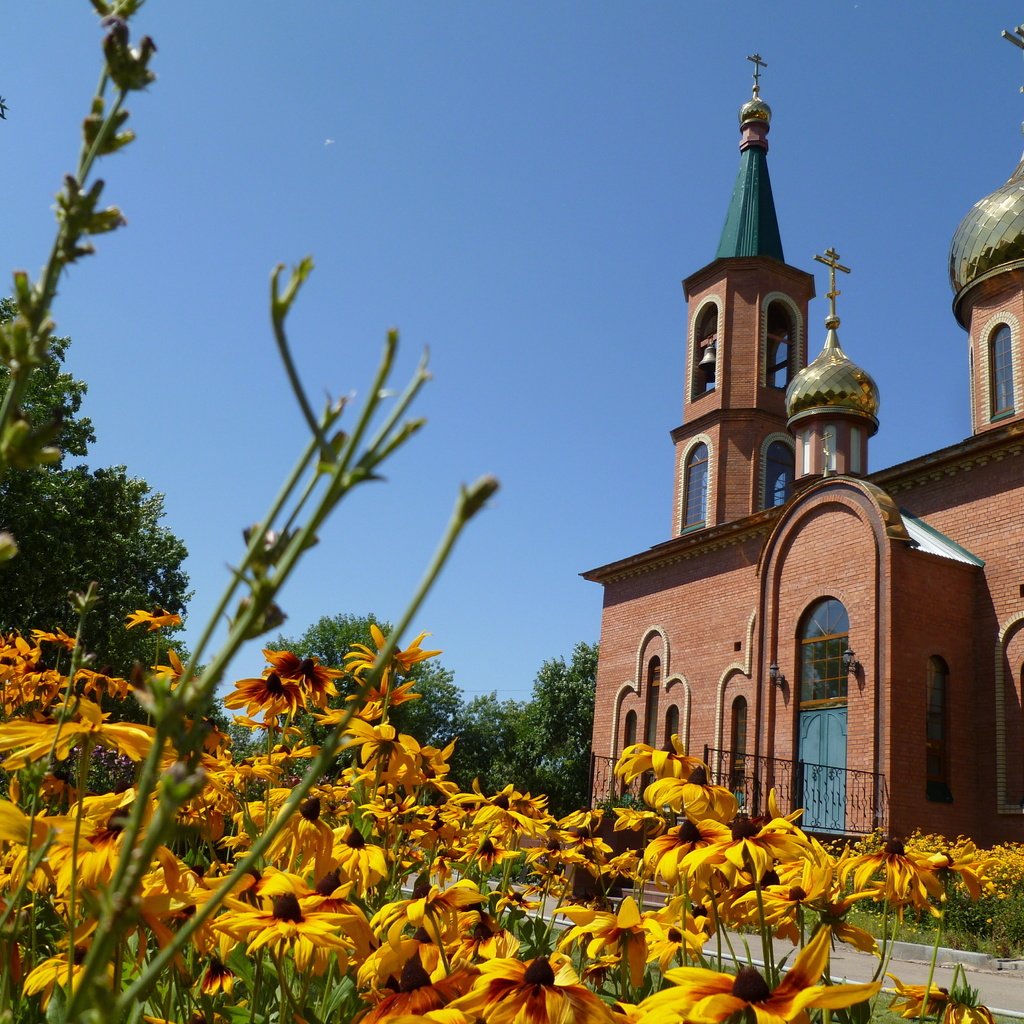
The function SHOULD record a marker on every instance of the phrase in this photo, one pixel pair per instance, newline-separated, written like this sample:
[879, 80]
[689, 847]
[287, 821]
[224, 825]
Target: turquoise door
[823, 755]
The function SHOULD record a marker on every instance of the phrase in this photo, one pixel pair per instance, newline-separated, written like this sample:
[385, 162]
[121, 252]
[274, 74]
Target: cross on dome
[755, 59]
[831, 260]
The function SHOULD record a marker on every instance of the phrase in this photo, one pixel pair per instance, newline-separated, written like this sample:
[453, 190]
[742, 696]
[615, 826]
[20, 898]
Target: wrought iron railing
[606, 786]
[835, 801]
[840, 801]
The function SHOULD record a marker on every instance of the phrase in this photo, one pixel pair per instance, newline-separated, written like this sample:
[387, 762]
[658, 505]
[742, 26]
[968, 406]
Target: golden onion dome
[833, 381]
[755, 109]
[990, 238]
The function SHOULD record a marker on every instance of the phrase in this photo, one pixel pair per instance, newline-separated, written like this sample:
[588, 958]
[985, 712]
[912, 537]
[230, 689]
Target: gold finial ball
[831, 322]
[755, 110]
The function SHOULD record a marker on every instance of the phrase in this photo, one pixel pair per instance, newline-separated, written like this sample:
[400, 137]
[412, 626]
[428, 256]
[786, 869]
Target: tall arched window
[695, 489]
[779, 470]
[780, 341]
[1001, 370]
[629, 732]
[671, 723]
[705, 351]
[738, 743]
[653, 691]
[936, 731]
[823, 639]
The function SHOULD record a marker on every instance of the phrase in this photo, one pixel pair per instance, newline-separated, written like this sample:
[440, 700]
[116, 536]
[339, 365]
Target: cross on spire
[755, 59]
[831, 260]
[1015, 36]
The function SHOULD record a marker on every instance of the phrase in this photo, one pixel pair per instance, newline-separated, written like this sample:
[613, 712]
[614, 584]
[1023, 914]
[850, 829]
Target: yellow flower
[910, 1002]
[88, 725]
[158, 618]
[693, 796]
[14, 826]
[707, 997]
[53, 973]
[270, 694]
[510, 992]
[622, 933]
[672, 762]
[310, 935]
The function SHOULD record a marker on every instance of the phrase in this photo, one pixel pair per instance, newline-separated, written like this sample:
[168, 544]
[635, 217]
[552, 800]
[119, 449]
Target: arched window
[937, 731]
[738, 744]
[705, 351]
[779, 470]
[653, 690]
[695, 489]
[671, 724]
[629, 732]
[823, 640]
[780, 341]
[1000, 353]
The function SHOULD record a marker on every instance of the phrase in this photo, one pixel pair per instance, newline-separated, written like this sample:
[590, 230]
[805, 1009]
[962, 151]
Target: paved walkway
[1000, 984]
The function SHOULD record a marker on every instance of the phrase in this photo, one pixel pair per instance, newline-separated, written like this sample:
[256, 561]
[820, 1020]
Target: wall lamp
[850, 662]
[775, 676]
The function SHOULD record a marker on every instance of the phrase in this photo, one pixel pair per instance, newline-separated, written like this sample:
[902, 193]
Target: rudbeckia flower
[358, 861]
[670, 762]
[317, 678]
[53, 973]
[88, 725]
[417, 993]
[154, 620]
[270, 694]
[664, 855]
[622, 933]
[905, 878]
[309, 935]
[510, 992]
[707, 997]
[910, 1001]
[693, 796]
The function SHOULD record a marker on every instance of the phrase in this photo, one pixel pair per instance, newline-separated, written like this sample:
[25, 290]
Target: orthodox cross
[755, 59]
[831, 260]
[3, 108]
[1015, 36]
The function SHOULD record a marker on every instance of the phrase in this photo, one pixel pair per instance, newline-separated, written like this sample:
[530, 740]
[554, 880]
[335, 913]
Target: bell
[708, 359]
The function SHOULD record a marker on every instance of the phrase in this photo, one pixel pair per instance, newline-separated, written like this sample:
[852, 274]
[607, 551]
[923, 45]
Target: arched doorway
[824, 638]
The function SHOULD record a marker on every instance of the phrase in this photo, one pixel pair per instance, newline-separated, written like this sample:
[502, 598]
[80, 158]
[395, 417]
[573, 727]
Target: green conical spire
[751, 227]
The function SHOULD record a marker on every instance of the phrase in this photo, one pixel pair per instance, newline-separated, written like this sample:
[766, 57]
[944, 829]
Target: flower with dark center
[689, 833]
[310, 810]
[413, 974]
[770, 877]
[698, 777]
[675, 935]
[329, 883]
[895, 848]
[750, 986]
[542, 991]
[355, 839]
[539, 972]
[742, 827]
[286, 908]
[797, 895]
[711, 997]
[274, 685]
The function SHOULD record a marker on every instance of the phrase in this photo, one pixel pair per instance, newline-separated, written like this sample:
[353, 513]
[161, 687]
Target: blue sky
[520, 187]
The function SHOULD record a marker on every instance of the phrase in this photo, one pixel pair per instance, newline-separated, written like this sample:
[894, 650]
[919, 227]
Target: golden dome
[755, 109]
[990, 237]
[833, 381]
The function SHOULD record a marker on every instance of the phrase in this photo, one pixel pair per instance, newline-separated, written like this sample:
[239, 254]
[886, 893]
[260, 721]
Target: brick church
[851, 637]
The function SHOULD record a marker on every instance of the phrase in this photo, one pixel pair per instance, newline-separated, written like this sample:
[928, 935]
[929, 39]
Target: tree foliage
[74, 525]
[542, 744]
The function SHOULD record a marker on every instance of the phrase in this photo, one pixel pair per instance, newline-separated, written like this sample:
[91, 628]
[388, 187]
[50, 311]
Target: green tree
[553, 733]
[74, 525]
[486, 745]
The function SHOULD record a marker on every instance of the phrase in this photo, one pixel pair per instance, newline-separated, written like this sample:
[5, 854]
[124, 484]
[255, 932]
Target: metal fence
[836, 801]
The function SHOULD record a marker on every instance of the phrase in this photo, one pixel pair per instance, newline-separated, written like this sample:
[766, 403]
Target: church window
[695, 490]
[779, 467]
[705, 351]
[936, 731]
[1001, 369]
[629, 733]
[671, 723]
[855, 461]
[779, 330]
[738, 743]
[823, 640]
[805, 445]
[653, 689]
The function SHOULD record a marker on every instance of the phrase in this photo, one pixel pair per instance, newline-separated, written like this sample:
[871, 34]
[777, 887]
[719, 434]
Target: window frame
[1000, 375]
[694, 462]
[824, 648]
[936, 748]
[777, 444]
[774, 340]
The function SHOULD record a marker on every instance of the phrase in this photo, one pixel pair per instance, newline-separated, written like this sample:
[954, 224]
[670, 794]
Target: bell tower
[746, 340]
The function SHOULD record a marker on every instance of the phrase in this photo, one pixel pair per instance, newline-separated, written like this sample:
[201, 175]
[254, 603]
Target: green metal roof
[751, 227]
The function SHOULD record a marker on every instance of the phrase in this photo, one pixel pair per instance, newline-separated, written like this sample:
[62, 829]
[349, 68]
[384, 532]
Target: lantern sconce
[775, 676]
[850, 662]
